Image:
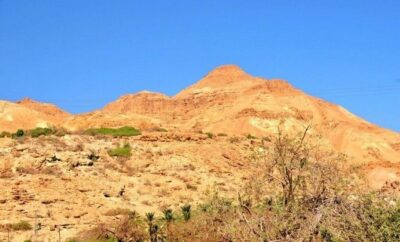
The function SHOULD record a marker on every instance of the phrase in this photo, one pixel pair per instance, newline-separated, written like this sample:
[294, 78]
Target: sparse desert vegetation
[291, 196]
[34, 133]
[121, 151]
[116, 132]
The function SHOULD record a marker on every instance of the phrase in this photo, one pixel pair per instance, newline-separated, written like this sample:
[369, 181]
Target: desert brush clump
[116, 132]
[5, 134]
[250, 136]
[21, 226]
[118, 211]
[369, 218]
[160, 129]
[210, 135]
[121, 151]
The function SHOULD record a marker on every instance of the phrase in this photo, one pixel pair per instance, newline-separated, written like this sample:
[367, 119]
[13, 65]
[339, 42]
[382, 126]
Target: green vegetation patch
[121, 151]
[20, 133]
[119, 132]
[34, 133]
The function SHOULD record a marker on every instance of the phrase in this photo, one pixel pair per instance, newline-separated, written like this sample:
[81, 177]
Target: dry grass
[6, 169]
[118, 211]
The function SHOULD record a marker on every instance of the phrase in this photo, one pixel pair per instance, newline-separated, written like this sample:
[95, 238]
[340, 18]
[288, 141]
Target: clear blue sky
[81, 54]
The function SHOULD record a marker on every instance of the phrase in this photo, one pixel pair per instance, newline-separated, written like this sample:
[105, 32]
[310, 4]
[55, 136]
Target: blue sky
[82, 54]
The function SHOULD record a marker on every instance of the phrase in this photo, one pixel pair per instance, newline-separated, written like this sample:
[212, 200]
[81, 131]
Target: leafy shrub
[21, 226]
[19, 133]
[124, 151]
[34, 133]
[119, 132]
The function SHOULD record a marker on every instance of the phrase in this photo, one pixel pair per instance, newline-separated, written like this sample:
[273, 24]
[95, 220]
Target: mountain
[229, 100]
[52, 112]
[29, 114]
[14, 116]
[75, 181]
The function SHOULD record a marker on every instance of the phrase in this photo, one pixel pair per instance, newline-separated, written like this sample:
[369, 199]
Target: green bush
[19, 133]
[21, 225]
[210, 135]
[124, 151]
[119, 132]
[34, 133]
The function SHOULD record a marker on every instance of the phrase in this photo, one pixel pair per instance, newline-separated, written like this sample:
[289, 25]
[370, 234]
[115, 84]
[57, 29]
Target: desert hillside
[214, 137]
[228, 100]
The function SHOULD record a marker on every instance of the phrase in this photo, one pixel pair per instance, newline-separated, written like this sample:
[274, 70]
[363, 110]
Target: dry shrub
[29, 169]
[203, 228]
[6, 169]
[128, 228]
[51, 170]
[191, 187]
[118, 211]
[78, 147]
[21, 226]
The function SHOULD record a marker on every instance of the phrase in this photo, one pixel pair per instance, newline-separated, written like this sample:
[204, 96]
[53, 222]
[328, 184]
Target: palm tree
[186, 212]
[153, 228]
[168, 217]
